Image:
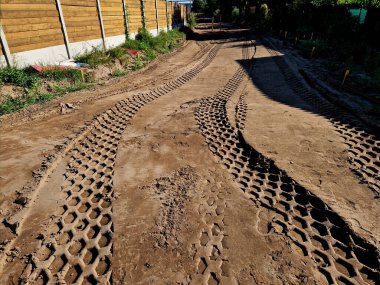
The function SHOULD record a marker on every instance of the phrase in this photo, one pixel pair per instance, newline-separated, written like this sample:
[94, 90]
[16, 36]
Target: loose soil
[207, 167]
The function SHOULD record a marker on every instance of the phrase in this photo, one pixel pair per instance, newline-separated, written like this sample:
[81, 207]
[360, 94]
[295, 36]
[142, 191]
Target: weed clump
[19, 77]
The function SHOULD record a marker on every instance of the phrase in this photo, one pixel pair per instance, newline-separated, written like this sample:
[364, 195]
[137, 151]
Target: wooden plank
[27, 14]
[85, 38]
[37, 46]
[34, 40]
[27, 2]
[29, 7]
[28, 21]
[88, 3]
[32, 27]
[27, 34]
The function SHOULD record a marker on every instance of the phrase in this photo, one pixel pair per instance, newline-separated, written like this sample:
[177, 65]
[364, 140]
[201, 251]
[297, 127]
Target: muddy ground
[217, 164]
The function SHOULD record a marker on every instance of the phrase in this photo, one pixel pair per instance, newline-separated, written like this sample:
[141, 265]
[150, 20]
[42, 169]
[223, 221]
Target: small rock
[147, 265]
[40, 237]
[21, 201]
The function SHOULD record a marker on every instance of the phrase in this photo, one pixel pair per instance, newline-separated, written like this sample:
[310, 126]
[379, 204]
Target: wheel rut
[77, 245]
[212, 263]
[363, 147]
[314, 230]
[241, 111]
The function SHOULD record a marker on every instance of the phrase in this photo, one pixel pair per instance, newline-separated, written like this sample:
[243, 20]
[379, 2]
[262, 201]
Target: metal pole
[101, 23]
[143, 13]
[63, 26]
[155, 4]
[167, 16]
[125, 19]
[4, 43]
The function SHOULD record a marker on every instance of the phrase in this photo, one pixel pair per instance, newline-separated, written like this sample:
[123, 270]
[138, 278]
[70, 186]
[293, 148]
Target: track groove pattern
[241, 112]
[313, 228]
[78, 244]
[363, 147]
[212, 246]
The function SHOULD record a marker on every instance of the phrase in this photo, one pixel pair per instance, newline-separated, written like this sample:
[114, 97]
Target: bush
[235, 13]
[19, 77]
[192, 21]
[322, 49]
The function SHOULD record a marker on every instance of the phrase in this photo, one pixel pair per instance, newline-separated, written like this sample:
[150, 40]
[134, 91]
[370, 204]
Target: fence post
[167, 15]
[143, 14]
[126, 20]
[63, 26]
[101, 23]
[155, 4]
[4, 43]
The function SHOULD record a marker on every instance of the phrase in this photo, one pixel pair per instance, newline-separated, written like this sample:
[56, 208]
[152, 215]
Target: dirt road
[215, 165]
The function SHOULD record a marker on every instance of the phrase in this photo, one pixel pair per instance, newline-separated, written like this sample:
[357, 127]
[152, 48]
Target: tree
[199, 5]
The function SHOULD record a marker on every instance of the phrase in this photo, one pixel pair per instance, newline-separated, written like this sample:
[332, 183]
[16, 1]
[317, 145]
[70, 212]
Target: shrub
[321, 48]
[235, 13]
[192, 21]
[19, 77]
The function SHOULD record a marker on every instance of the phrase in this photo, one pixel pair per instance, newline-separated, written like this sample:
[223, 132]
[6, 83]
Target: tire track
[77, 246]
[211, 256]
[313, 228]
[211, 249]
[363, 148]
[241, 111]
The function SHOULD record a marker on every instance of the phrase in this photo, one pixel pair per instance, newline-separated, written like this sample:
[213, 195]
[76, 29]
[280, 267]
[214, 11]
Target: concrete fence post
[167, 15]
[63, 26]
[125, 19]
[143, 14]
[156, 6]
[4, 43]
[101, 23]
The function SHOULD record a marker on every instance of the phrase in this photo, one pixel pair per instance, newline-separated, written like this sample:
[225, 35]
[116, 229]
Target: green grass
[59, 90]
[95, 57]
[119, 72]
[19, 77]
[16, 104]
[59, 74]
[138, 64]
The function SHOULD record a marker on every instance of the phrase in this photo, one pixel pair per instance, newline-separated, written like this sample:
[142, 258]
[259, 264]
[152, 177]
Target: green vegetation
[19, 77]
[235, 14]
[333, 31]
[119, 72]
[59, 74]
[192, 21]
[65, 80]
[11, 105]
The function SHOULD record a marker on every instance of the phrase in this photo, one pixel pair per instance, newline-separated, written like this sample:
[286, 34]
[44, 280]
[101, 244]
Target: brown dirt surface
[214, 165]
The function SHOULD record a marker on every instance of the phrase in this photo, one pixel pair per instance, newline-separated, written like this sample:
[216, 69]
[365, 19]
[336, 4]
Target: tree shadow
[276, 81]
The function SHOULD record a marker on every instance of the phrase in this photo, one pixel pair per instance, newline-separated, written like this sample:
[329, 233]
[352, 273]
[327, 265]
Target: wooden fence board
[30, 24]
[134, 15]
[76, 11]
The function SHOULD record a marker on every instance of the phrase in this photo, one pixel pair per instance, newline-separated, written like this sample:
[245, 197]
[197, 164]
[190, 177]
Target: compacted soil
[216, 164]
